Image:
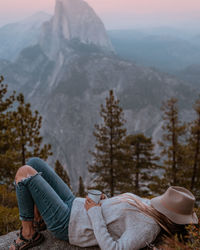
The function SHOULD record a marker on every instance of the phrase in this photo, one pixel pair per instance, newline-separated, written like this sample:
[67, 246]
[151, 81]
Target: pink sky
[146, 6]
[109, 10]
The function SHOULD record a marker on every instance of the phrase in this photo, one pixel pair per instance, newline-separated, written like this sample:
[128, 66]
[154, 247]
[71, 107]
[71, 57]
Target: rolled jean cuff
[26, 218]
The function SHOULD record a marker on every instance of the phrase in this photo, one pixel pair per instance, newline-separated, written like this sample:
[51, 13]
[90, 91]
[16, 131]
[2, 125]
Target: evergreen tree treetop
[19, 134]
[81, 188]
[59, 169]
[110, 164]
[7, 138]
[5, 103]
[27, 131]
[142, 162]
[194, 150]
[172, 140]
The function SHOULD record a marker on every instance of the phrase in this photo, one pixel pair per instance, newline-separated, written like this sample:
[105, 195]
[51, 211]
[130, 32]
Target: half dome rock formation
[73, 19]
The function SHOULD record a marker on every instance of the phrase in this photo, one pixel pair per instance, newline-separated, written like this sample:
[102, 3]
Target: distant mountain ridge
[16, 36]
[191, 74]
[163, 50]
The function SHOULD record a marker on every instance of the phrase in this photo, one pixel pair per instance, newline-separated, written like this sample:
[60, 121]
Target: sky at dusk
[115, 13]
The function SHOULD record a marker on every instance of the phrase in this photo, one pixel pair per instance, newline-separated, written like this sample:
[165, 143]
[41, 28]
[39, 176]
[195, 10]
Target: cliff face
[73, 19]
[50, 243]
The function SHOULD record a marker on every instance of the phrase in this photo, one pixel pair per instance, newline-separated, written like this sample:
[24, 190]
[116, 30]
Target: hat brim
[174, 217]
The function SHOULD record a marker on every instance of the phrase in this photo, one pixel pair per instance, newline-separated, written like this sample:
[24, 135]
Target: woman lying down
[124, 222]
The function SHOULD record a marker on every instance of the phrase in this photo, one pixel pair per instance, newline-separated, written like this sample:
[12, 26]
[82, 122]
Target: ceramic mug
[95, 195]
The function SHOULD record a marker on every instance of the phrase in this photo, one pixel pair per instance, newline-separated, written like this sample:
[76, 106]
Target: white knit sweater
[111, 226]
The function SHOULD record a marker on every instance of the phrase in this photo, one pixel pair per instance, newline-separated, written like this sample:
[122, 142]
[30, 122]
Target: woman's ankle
[38, 219]
[28, 233]
[27, 229]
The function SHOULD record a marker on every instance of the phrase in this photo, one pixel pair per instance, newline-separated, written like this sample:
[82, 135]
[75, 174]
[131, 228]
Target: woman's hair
[170, 228]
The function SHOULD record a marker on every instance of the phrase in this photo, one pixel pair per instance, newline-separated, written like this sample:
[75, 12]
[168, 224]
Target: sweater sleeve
[131, 239]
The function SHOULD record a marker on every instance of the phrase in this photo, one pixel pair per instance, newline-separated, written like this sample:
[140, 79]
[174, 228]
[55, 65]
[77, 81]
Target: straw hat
[177, 204]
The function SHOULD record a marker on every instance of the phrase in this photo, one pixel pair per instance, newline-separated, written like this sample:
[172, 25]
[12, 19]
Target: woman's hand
[89, 203]
[103, 197]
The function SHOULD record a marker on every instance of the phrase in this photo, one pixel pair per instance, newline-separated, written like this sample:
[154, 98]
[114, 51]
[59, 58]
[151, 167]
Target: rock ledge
[50, 243]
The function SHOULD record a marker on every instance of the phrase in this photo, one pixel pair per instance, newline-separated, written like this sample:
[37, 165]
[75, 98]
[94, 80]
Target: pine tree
[142, 162]
[81, 188]
[110, 168]
[27, 131]
[5, 103]
[194, 149]
[172, 143]
[19, 134]
[62, 173]
[7, 155]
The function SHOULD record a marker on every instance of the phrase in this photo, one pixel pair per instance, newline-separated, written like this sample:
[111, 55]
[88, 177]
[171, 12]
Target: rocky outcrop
[191, 74]
[73, 19]
[50, 243]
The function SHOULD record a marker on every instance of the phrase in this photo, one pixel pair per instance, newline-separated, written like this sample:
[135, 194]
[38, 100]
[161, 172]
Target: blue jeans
[51, 195]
